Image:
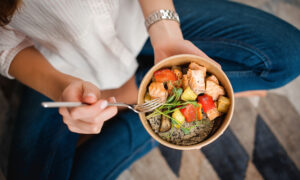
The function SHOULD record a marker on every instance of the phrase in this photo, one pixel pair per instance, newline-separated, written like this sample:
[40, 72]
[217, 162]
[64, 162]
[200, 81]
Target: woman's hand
[87, 119]
[167, 40]
[174, 47]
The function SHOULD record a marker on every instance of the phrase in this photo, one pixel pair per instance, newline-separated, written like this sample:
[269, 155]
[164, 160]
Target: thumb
[90, 93]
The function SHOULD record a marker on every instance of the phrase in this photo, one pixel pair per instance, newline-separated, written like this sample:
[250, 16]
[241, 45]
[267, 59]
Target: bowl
[179, 60]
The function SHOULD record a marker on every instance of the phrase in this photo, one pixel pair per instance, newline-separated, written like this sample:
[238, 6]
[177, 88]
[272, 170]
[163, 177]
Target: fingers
[84, 127]
[90, 93]
[88, 119]
[82, 91]
[179, 47]
[195, 50]
[190, 48]
[109, 112]
[88, 111]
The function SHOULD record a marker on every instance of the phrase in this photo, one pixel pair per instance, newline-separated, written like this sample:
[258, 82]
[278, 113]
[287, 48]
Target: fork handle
[61, 104]
[74, 104]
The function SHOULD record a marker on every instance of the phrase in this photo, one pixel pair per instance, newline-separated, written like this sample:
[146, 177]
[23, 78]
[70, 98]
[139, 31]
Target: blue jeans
[255, 49]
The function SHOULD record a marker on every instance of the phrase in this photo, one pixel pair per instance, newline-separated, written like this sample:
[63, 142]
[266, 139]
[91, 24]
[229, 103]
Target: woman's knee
[285, 65]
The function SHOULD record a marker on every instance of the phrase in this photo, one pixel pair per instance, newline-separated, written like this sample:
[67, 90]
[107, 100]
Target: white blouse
[95, 40]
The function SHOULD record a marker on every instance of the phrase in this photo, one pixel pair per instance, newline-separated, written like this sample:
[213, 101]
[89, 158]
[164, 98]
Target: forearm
[32, 69]
[163, 30]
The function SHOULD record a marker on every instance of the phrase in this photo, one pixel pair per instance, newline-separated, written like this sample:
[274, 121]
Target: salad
[195, 103]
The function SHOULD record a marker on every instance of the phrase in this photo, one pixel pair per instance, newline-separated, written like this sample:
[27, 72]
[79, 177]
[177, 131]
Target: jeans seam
[241, 73]
[266, 60]
[128, 158]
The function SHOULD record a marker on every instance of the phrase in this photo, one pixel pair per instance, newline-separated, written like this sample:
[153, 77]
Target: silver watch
[161, 15]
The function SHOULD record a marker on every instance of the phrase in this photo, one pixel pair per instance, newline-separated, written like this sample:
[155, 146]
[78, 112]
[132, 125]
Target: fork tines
[150, 105]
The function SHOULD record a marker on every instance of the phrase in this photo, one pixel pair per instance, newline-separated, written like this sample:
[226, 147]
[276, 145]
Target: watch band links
[162, 14]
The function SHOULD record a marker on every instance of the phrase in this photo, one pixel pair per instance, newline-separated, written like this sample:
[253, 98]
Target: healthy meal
[195, 104]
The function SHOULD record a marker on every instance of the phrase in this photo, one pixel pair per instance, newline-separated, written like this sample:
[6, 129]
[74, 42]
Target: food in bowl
[195, 103]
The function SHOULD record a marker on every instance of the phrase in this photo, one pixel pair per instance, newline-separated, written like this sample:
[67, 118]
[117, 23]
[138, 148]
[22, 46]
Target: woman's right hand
[87, 119]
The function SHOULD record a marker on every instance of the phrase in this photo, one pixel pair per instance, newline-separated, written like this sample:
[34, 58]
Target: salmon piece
[214, 90]
[213, 113]
[157, 90]
[185, 81]
[195, 66]
[213, 78]
[196, 80]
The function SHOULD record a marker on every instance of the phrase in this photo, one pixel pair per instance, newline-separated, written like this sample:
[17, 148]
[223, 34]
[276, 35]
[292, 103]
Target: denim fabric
[255, 49]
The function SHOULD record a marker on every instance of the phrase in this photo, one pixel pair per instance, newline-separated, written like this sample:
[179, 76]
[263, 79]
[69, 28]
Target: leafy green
[174, 121]
[173, 102]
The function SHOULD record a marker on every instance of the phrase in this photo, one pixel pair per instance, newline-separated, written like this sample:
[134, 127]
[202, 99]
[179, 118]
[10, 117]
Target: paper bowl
[211, 68]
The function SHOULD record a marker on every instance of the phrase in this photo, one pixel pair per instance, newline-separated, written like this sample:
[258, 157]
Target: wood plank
[126, 175]
[152, 166]
[195, 166]
[243, 123]
[252, 172]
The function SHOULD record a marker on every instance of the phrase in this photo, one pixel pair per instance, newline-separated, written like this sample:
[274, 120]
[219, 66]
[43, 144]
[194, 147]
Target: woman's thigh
[256, 50]
[42, 146]
[122, 141]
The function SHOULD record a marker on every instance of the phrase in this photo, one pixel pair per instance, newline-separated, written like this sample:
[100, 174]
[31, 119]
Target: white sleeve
[11, 43]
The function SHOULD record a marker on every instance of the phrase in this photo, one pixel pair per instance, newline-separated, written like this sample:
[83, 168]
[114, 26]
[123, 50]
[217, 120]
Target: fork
[138, 108]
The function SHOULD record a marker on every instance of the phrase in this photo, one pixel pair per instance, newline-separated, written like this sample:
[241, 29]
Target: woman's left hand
[167, 40]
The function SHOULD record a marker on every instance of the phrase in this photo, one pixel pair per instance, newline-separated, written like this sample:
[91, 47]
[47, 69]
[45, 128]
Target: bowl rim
[211, 138]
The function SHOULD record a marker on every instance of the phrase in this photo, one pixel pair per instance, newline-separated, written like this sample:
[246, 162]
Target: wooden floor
[264, 134]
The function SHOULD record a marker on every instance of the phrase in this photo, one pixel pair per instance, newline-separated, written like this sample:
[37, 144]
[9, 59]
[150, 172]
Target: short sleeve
[11, 43]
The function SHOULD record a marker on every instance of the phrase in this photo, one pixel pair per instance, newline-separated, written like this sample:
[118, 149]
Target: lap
[44, 148]
[121, 141]
[42, 145]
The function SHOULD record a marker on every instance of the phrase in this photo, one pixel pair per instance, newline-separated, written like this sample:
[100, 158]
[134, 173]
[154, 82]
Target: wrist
[164, 31]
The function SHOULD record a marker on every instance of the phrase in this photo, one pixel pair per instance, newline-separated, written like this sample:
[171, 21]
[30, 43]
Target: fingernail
[113, 99]
[103, 104]
[91, 95]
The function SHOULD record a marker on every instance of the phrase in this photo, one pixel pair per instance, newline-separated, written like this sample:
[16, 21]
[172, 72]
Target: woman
[85, 51]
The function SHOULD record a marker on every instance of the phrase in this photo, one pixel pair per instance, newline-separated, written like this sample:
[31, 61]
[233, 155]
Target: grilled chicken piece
[213, 78]
[185, 81]
[157, 90]
[214, 90]
[195, 66]
[196, 80]
[213, 113]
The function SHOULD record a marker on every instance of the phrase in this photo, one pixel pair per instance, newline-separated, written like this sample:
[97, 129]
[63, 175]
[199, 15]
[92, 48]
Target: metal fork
[138, 108]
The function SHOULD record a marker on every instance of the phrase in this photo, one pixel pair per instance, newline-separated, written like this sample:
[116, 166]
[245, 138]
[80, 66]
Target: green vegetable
[185, 130]
[170, 106]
